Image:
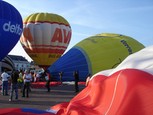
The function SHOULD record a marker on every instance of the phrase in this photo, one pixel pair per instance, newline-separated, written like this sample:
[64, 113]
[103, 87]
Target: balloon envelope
[127, 85]
[45, 37]
[23, 111]
[126, 92]
[94, 54]
[10, 28]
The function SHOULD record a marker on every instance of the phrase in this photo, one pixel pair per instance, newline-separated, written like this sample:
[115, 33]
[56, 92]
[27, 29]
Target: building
[20, 62]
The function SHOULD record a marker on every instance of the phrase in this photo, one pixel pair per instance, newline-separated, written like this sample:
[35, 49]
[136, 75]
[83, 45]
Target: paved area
[41, 99]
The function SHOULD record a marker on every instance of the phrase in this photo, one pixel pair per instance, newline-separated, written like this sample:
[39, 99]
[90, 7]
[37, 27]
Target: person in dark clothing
[48, 80]
[76, 78]
[60, 75]
[14, 85]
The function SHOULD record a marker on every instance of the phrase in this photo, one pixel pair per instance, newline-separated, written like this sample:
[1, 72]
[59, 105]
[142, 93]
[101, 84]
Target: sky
[132, 18]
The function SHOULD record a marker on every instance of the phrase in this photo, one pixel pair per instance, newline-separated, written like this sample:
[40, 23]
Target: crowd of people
[21, 80]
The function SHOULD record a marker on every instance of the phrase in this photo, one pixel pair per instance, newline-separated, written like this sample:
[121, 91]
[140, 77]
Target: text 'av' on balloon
[45, 37]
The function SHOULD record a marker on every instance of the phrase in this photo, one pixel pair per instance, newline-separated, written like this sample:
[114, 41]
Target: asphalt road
[40, 98]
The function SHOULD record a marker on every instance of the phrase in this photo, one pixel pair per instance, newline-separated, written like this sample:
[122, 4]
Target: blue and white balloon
[11, 27]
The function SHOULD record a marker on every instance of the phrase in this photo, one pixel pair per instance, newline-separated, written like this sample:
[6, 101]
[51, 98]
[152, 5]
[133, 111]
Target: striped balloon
[45, 37]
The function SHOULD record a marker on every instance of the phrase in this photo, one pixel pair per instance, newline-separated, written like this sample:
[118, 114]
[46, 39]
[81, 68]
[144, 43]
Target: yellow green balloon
[96, 53]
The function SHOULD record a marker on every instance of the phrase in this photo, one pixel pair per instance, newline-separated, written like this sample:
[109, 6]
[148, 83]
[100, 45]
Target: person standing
[76, 78]
[27, 79]
[48, 79]
[37, 79]
[14, 85]
[60, 75]
[20, 81]
[5, 77]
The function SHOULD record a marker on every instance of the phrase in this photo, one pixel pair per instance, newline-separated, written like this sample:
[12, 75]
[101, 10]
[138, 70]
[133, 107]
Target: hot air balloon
[94, 54]
[45, 37]
[123, 92]
[10, 28]
[126, 92]
[24, 111]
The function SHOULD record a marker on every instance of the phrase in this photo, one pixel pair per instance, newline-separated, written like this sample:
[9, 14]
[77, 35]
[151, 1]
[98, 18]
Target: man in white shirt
[27, 79]
[5, 77]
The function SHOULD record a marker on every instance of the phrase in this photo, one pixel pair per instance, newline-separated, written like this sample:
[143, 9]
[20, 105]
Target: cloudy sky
[132, 18]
